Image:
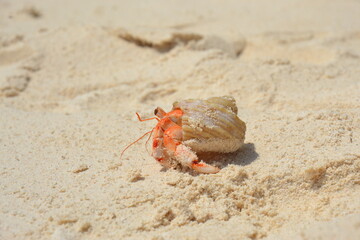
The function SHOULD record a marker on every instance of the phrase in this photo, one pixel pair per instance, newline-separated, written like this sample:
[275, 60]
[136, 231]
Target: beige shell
[211, 125]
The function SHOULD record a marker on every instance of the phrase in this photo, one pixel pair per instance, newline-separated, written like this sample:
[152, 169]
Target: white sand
[73, 74]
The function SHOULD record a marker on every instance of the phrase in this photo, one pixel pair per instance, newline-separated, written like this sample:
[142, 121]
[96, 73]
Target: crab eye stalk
[159, 112]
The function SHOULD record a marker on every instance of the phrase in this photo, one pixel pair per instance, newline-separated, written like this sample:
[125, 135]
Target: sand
[73, 74]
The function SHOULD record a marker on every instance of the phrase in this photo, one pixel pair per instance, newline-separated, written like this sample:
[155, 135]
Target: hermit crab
[194, 126]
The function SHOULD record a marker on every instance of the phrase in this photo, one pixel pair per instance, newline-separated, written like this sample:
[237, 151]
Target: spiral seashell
[211, 125]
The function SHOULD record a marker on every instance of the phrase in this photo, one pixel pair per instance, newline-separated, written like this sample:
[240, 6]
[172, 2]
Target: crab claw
[188, 158]
[204, 168]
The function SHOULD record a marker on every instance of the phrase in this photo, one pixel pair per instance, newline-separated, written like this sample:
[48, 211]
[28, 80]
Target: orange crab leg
[204, 168]
[143, 120]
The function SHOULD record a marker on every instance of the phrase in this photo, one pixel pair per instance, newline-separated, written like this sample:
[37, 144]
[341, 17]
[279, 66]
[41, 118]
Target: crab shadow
[242, 157]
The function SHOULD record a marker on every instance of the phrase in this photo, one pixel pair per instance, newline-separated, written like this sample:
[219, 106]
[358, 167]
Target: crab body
[195, 125]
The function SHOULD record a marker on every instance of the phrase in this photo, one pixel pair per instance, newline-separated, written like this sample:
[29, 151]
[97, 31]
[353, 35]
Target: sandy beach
[74, 73]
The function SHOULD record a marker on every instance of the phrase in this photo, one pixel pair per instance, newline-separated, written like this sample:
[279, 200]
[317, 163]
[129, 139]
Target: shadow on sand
[244, 156]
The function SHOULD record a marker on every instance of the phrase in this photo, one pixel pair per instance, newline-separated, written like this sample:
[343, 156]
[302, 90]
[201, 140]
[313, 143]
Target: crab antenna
[148, 141]
[134, 143]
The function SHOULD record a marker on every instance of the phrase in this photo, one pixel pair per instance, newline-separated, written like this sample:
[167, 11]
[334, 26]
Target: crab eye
[155, 111]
